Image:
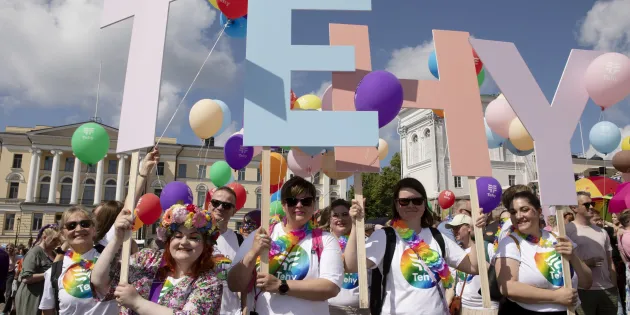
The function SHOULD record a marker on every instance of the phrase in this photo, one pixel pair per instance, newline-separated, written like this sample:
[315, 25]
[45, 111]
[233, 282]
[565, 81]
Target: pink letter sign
[352, 159]
[144, 68]
[457, 93]
[551, 126]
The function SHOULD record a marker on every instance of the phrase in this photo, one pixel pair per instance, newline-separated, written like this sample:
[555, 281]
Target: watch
[59, 251]
[284, 287]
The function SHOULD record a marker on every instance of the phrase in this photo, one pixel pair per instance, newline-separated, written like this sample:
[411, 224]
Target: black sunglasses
[86, 224]
[405, 201]
[588, 205]
[225, 205]
[292, 202]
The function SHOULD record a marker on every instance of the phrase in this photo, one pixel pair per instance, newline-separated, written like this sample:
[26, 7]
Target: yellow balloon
[205, 118]
[308, 101]
[625, 144]
[214, 4]
[519, 136]
[383, 149]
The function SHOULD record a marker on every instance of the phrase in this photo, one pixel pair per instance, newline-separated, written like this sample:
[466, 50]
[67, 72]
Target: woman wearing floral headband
[305, 266]
[176, 280]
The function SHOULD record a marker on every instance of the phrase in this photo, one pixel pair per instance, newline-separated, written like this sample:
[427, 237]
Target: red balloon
[478, 63]
[293, 99]
[241, 194]
[274, 188]
[446, 199]
[149, 209]
[233, 9]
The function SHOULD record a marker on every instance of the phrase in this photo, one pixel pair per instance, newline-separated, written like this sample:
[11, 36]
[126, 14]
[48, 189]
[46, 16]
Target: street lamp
[17, 231]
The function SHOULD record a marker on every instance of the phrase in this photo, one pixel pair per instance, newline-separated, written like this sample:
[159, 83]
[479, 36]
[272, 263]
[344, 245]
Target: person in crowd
[460, 207]
[553, 224]
[620, 267]
[177, 280]
[568, 217]
[37, 261]
[624, 249]
[528, 268]
[251, 222]
[305, 265]
[8, 294]
[4, 271]
[71, 294]
[594, 248]
[421, 256]
[506, 200]
[467, 285]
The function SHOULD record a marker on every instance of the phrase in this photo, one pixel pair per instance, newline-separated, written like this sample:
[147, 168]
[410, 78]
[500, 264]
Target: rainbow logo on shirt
[221, 266]
[166, 287]
[412, 270]
[350, 281]
[549, 264]
[76, 282]
[291, 267]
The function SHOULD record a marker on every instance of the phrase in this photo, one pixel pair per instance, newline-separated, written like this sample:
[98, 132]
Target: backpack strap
[99, 247]
[378, 292]
[485, 249]
[437, 235]
[516, 241]
[55, 273]
[317, 245]
[239, 238]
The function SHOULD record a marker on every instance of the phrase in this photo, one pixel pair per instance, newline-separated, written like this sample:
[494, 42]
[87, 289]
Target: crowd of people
[417, 263]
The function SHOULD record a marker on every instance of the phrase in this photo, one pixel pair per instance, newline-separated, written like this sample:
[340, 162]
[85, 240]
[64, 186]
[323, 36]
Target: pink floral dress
[189, 297]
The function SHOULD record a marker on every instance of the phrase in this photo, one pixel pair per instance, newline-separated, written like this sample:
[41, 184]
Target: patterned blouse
[189, 297]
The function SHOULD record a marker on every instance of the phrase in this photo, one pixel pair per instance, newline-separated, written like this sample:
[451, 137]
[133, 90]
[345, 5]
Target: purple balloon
[489, 192]
[379, 91]
[236, 155]
[175, 192]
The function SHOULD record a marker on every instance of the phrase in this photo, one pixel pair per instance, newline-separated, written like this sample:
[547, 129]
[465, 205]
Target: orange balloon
[329, 167]
[137, 224]
[277, 168]
[439, 112]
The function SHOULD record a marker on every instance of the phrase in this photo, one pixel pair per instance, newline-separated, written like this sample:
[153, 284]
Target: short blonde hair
[72, 210]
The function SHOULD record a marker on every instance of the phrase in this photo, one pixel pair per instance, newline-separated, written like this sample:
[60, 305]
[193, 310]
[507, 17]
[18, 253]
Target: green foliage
[378, 189]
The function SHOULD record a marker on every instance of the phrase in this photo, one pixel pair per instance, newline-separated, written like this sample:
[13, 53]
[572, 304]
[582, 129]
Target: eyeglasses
[292, 202]
[86, 224]
[225, 205]
[588, 204]
[405, 201]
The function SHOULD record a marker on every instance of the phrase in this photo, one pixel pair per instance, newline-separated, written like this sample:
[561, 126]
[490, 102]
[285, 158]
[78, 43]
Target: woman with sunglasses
[419, 271]
[305, 266]
[73, 294]
[177, 280]
[37, 261]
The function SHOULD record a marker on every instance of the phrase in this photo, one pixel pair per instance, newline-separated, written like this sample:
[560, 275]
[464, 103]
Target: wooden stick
[566, 271]
[266, 201]
[129, 205]
[479, 244]
[364, 301]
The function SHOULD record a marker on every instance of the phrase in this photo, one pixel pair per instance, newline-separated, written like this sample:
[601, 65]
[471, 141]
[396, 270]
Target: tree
[378, 189]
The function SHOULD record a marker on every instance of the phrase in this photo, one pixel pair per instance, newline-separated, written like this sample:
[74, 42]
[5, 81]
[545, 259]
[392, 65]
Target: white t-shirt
[471, 298]
[349, 294]
[410, 289]
[505, 229]
[75, 293]
[540, 267]
[223, 253]
[301, 264]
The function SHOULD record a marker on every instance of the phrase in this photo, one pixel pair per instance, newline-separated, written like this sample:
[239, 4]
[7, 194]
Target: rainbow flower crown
[190, 216]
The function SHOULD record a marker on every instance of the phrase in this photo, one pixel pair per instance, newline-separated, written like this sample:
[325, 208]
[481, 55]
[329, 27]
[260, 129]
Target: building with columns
[43, 178]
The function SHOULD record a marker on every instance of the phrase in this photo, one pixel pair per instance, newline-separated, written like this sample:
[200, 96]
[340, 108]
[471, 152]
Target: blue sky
[543, 31]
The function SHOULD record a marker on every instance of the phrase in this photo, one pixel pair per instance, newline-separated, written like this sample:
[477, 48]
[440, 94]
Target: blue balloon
[508, 145]
[494, 140]
[275, 196]
[235, 28]
[227, 116]
[433, 65]
[605, 137]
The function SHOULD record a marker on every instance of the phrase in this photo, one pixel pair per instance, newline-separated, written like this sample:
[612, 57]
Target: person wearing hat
[467, 286]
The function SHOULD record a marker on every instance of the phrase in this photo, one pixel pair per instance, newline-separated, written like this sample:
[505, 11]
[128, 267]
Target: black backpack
[55, 273]
[239, 237]
[379, 280]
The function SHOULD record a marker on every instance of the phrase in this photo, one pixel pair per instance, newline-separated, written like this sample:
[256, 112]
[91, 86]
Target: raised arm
[350, 253]
[241, 273]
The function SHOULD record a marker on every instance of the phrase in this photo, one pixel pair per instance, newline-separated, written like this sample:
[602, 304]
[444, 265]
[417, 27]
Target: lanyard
[256, 294]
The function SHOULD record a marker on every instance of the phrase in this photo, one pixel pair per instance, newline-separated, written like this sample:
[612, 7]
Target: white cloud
[56, 47]
[220, 140]
[322, 88]
[411, 62]
[590, 153]
[607, 26]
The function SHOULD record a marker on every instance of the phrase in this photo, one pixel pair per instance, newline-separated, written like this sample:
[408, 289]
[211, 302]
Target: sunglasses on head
[86, 224]
[292, 202]
[405, 201]
[225, 205]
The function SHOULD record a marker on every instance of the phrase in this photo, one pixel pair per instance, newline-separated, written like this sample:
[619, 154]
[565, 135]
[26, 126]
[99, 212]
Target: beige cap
[459, 220]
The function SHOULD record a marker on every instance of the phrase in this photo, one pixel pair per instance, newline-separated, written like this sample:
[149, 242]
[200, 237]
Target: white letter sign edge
[551, 126]
[141, 95]
[270, 58]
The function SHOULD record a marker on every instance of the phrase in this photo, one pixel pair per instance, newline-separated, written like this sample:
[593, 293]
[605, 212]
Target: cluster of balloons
[503, 128]
[233, 16]
[148, 211]
[209, 117]
[90, 143]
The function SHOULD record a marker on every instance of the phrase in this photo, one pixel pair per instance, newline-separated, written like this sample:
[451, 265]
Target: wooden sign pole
[364, 301]
[130, 203]
[566, 271]
[266, 201]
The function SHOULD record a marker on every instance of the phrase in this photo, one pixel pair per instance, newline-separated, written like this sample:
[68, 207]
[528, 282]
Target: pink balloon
[607, 79]
[499, 115]
[302, 164]
[327, 99]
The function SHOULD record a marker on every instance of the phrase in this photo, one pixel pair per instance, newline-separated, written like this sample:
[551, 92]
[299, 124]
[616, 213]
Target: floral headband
[190, 216]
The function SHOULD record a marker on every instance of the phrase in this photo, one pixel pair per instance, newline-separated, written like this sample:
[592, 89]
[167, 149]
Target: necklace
[540, 241]
[78, 259]
[430, 257]
[343, 241]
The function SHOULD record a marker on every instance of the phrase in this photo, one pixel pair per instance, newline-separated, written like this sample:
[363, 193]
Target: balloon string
[98, 88]
[192, 84]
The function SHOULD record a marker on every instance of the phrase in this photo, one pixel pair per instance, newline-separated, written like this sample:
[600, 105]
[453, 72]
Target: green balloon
[286, 148]
[481, 76]
[220, 173]
[276, 208]
[90, 143]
